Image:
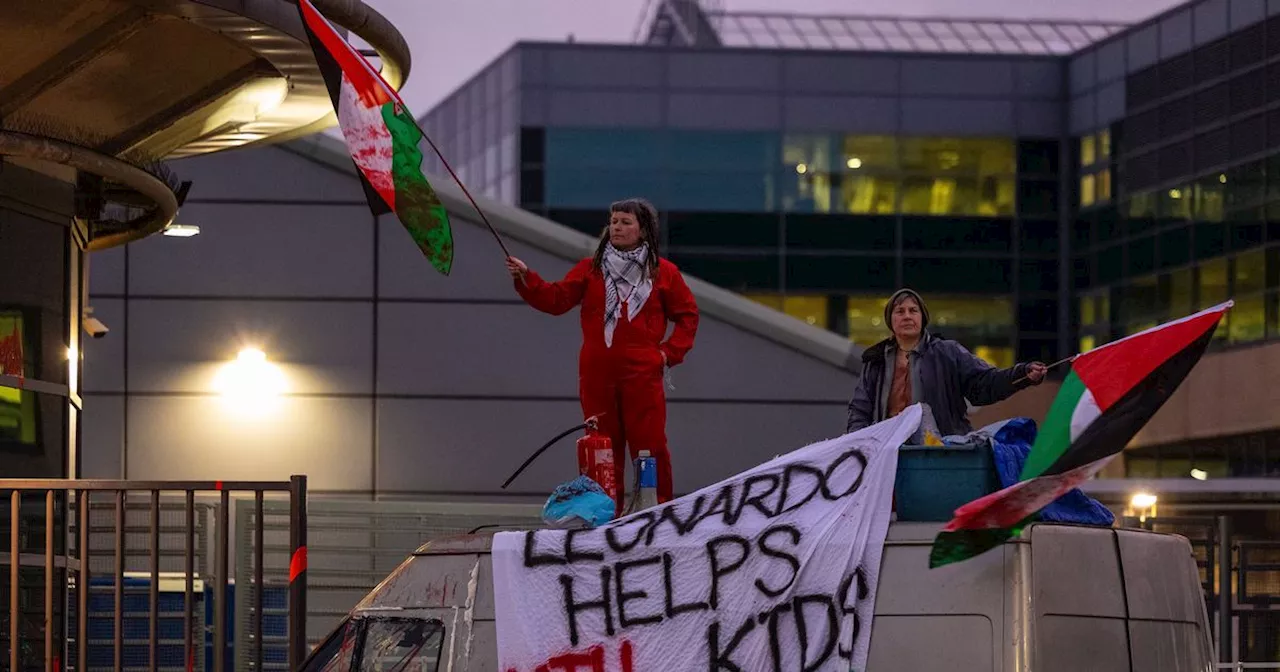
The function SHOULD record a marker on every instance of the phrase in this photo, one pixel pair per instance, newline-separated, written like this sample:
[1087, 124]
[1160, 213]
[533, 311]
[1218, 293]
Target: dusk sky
[453, 39]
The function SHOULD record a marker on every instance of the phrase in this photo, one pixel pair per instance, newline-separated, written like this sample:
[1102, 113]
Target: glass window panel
[1214, 289]
[1176, 203]
[1104, 143]
[959, 195]
[604, 147]
[866, 319]
[1088, 343]
[393, 645]
[773, 301]
[1039, 236]
[1038, 157]
[811, 153]
[1250, 270]
[840, 232]
[995, 356]
[1175, 246]
[1110, 264]
[717, 229]
[807, 192]
[1088, 191]
[868, 194]
[1141, 307]
[1142, 255]
[870, 152]
[1038, 275]
[1142, 205]
[735, 272]
[1104, 185]
[1181, 293]
[1247, 320]
[1088, 310]
[840, 273]
[1088, 151]
[1210, 239]
[958, 156]
[1038, 197]
[718, 190]
[959, 233]
[595, 188]
[957, 275]
[752, 152]
[808, 309]
[973, 321]
[1244, 185]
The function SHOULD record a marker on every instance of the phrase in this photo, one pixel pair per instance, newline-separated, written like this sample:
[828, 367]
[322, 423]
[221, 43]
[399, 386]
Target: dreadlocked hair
[647, 216]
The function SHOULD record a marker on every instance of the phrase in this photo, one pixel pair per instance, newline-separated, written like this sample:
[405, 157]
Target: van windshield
[381, 645]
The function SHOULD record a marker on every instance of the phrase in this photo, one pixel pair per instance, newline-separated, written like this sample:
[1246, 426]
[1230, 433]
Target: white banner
[772, 570]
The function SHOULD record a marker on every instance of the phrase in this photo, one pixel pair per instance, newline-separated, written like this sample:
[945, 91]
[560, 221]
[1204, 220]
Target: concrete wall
[401, 380]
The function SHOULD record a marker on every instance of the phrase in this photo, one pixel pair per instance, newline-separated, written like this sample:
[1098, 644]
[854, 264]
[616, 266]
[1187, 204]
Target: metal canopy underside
[160, 79]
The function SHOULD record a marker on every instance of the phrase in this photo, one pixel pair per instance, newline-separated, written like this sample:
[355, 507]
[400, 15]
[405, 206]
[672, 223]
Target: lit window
[1247, 320]
[1250, 272]
[995, 356]
[1104, 185]
[1087, 191]
[1181, 302]
[1104, 143]
[870, 152]
[866, 320]
[809, 309]
[1087, 151]
[868, 194]
[1087, 313]
[1087, 343]
[773, 301]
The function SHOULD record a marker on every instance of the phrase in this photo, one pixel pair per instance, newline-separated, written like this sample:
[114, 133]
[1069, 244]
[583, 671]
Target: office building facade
[1048, 186]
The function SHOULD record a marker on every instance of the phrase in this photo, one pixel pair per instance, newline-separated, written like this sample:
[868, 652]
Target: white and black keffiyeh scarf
[625, 280]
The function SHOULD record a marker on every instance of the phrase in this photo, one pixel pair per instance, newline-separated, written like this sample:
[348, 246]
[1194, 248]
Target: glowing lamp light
[1199, 474]
[854, 163]
[1143, 500]
[250, 383]
[181, 230]
[802, 168]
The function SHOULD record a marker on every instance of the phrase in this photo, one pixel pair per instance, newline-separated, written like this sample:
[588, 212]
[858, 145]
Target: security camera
[93, 326]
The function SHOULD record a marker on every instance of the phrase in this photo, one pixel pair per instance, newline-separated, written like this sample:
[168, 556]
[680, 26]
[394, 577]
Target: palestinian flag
[1109, 395]
[382, 138]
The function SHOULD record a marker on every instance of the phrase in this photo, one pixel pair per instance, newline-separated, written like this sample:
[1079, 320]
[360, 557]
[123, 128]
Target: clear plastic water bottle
[647, 469]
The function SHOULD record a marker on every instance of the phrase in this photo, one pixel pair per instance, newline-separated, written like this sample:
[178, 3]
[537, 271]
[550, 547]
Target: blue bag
[579, 502]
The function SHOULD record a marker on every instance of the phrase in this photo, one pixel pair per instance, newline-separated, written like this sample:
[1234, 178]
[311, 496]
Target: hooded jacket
[943, 375]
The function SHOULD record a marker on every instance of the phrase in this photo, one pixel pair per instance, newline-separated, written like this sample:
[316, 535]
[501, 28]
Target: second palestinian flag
[1109, 395]
[382, 138]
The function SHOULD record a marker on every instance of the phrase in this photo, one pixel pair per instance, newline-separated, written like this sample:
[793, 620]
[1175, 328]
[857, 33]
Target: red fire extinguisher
[595, 459]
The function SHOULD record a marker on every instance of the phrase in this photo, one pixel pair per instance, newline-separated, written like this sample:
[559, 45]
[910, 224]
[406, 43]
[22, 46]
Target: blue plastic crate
[934, 481]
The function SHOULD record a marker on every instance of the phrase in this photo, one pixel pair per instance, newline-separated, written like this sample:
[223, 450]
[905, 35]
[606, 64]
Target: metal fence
[1241, 581]
[85, 573]
[353, 545]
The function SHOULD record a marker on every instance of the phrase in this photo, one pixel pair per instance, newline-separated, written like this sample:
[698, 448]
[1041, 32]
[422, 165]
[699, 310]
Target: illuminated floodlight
[251, 383]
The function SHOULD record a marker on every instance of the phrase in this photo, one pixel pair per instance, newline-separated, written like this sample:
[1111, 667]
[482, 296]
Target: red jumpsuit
[623, 383]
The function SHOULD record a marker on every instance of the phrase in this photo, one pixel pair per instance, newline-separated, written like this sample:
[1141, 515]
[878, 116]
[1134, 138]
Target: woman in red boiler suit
[628, 295]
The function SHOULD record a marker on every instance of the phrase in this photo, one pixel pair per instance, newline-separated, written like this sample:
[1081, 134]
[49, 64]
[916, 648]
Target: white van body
[1058, 598]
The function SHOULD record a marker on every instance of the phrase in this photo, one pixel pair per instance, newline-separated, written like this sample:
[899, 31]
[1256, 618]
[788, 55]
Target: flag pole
[468, 194]
[1051, 367]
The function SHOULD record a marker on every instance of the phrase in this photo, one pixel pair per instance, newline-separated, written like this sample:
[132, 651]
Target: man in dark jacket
[915, 366]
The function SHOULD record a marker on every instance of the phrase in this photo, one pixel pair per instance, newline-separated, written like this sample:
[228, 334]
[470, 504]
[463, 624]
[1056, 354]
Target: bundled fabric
[577, 503]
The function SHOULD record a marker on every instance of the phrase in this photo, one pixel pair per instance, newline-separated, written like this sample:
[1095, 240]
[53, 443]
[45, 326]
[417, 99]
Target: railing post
[1224, 589]
[297, 571]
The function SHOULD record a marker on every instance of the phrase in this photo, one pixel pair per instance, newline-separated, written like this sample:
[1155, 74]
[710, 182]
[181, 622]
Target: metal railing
[66, 567]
